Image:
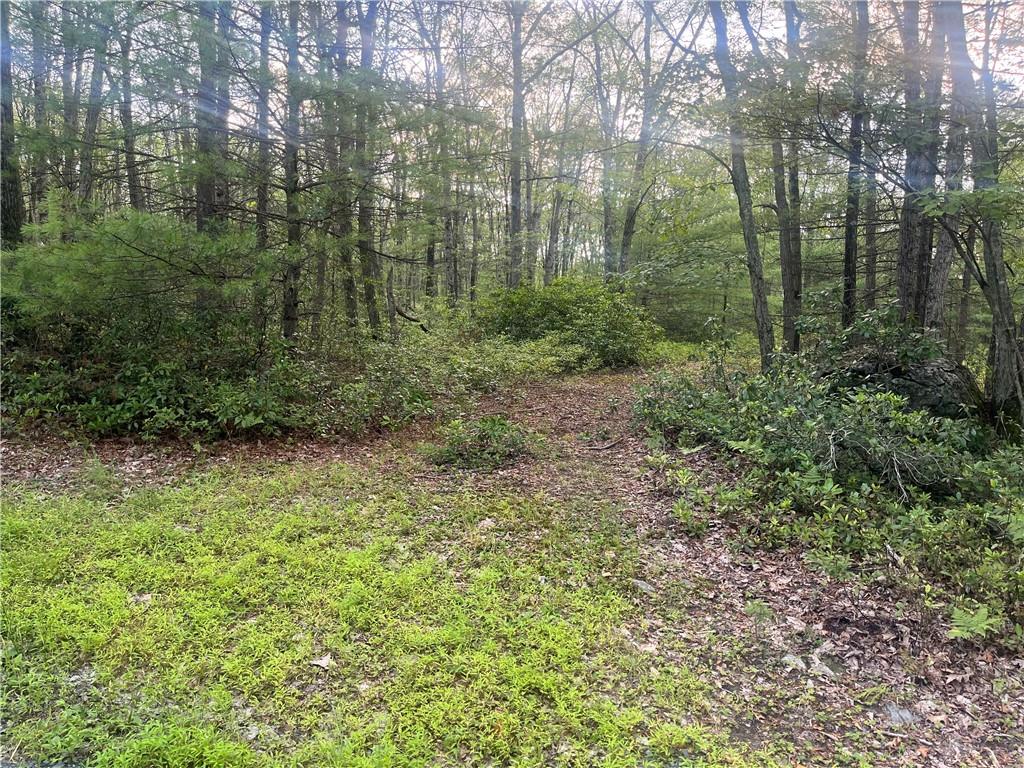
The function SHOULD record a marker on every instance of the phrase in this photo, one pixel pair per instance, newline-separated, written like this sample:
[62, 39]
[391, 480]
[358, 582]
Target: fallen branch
[401, 312]
[605, 447]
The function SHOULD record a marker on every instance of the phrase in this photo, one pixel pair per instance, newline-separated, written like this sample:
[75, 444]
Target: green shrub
[153, 399]
[171, 746]
[379, 385]
[486, 443]
[876, 333]
[612, 330]
[789, 419]
[855, 477]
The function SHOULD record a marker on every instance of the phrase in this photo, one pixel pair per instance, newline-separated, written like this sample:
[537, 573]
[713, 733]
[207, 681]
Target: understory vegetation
[79, 363]
[485, 443]
[334, 616]
[856, 477]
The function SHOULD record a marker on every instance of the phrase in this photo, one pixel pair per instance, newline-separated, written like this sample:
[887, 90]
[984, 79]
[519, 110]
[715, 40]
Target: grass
[300, 615]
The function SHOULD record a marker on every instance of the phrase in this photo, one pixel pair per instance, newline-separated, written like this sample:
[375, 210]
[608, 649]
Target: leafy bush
[856, 477]
[135, 324]
[381, 385]
[486, 443]
[790, 420]
[151, 398]
[585, 314]
[876, 333]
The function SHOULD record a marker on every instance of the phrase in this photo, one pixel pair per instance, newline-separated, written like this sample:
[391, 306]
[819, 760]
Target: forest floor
[327, 604]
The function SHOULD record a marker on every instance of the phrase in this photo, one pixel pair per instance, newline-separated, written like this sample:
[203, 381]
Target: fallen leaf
[324, 662]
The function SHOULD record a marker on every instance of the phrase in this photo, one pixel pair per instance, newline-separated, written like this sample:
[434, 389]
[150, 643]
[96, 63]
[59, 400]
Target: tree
[367, 255]
[517, 9]
[853, 175]
[293, 268]
[13, 207]
[1005, 382]
[741, 185]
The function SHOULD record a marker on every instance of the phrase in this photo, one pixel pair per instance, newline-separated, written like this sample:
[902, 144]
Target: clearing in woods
[317, 604]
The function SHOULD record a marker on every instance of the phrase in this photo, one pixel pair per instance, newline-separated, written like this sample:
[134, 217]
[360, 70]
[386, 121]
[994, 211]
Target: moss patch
[299, 615]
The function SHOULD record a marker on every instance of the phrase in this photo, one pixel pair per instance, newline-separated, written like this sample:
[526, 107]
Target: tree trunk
[871, 241]
[136, 196]
[451, 257]
[263, 129]
[209, 214]
[430, 279]
[931, 126]
[643, 146]
[70, 66]
[853, 174]
[13, 206]
[1005, 381]
[293, 268]
[551, 251]
[515, 261]
[474, 256]
[782, 208]
[607, 215]
[792, 273]
[554, 218]
[364, 223]
[39, 14]
[741, 185]
[95, 104]
[345, 148]
[532, 225]
[913, 256]
[959, 346]
[391, 305]
[607, 120]
[945, 252]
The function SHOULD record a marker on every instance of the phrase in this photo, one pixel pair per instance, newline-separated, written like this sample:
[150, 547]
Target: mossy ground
[357, 605]
[303, 614]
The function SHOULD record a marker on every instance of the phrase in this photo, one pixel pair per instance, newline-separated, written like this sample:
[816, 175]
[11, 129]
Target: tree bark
[293, 268]
[515, 261]
[345, 148]
[853, 174]
[741, 185]
[210, 214]
[12, 216]
[959, 345]
[39, 13]
[945, 252]
[95, 104]
[1005, 381]
[263, 129]
[607, 120]
[792, 273]
[367, 257]
[70, 69]
[782, 208]
[474, 256]
[643, 146]
[136, 196]
[871, 241]
[391, 305]
[913, 256]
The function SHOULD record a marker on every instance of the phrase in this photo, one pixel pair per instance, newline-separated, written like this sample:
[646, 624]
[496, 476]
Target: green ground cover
[300, 614]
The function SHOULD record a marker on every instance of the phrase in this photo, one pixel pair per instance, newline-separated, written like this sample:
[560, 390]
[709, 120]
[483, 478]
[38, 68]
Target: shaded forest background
[238, 215]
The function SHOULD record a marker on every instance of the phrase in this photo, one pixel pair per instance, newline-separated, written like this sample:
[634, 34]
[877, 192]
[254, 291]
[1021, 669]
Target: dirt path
[849, 673]
[840, 669]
